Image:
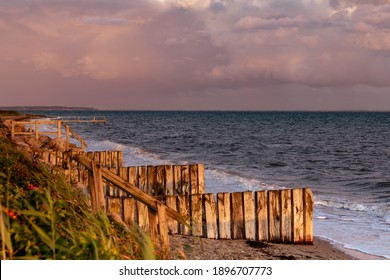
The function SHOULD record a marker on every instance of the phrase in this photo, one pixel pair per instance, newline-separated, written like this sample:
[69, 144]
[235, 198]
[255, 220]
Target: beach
[195, 248]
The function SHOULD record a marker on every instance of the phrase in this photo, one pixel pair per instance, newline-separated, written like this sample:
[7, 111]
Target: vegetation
[9, 113]
[42, 217]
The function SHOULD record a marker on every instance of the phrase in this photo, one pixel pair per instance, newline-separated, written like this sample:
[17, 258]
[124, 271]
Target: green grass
[42, 217]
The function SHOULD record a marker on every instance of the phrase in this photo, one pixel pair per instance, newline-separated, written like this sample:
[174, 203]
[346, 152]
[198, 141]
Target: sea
[344, 157]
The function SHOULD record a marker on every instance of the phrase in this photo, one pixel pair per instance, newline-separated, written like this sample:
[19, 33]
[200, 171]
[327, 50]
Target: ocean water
[342, 156]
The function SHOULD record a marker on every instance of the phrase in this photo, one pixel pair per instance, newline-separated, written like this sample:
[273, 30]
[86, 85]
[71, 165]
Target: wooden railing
[33, 129]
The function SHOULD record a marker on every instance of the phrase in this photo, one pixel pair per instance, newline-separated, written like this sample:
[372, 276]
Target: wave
[132, 156]
[381, 210]
[216, 180]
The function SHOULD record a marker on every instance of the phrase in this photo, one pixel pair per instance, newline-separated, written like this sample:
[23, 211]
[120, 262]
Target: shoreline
[322, 249]
[199, 248]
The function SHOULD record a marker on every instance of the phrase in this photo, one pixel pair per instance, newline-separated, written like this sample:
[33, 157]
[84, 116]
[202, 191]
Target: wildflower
[12, 215]
[31, 187]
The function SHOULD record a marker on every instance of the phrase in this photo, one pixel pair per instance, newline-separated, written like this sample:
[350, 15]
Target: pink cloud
[170, 48]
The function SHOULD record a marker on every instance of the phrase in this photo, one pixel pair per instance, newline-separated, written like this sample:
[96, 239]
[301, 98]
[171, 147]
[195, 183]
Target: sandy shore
[193, 248]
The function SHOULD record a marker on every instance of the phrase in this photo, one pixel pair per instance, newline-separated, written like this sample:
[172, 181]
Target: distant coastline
[47, 108]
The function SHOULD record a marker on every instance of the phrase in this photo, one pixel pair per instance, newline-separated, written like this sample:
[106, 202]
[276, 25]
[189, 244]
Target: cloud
[188, 46]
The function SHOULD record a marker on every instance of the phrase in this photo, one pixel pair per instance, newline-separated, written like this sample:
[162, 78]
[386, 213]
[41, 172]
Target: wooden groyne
[282, 216]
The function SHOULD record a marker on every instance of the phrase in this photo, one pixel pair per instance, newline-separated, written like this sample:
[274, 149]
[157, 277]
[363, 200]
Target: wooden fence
[284, 216]
[160, 181]
[281, 216]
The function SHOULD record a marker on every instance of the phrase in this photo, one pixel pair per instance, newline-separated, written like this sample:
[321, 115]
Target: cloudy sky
[196, 55]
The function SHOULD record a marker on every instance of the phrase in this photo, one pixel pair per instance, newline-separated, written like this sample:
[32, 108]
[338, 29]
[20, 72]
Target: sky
[196, 55]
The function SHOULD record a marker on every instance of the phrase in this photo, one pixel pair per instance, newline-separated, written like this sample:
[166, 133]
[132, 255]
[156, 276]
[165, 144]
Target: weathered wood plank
[196, 214]
[96, 187]
[185, 177]
[153, 226]
[193, 172]
[163, 227]
[262, 215]
[120, 159]
[151, 183]
[308, 216]
[184, 210]
[298, 234]
[113, 159]
[224, 215]
[201, 185]
[142, 180]
[173, 225]
[143, 216]
[286, 215]
[238, 216]
[169, 181]
[133, 177]
[114, 205]
[160, 181]
[249, 215]
[211, 216]
[274, 216]
[123, 173]
[128, 210]
[177, 179]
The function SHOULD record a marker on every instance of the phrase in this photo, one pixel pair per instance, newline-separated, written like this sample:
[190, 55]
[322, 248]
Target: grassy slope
[42, 217]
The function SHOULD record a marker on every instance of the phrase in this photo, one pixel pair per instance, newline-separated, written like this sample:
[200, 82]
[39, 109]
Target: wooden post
[36, 130]
[143, 216]
[224, 214]
[201, 185]
[308, 205]
[184, 210]
[128, 210]
[286, 216]
[177, 179]
[274, 215]
[114, 205]
[96, 187]
[59, 129]
[185, 184]
[66, 137]
[249, 216]
[193, 172]
[172, 224]
[120, 159]
[151, 180]
[238, 216]
[298, 215]
[211, 216]
[169, 183]
[160, 181]
[196, 214]
[142, 209]
[163, 227]
[153, 226]
[262, 215]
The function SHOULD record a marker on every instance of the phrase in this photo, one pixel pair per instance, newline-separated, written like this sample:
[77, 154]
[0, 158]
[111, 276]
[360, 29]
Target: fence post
[96, 187]
[163, 227]
[66, 137]
[58, 129]
[36, 130]
[12, 130]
